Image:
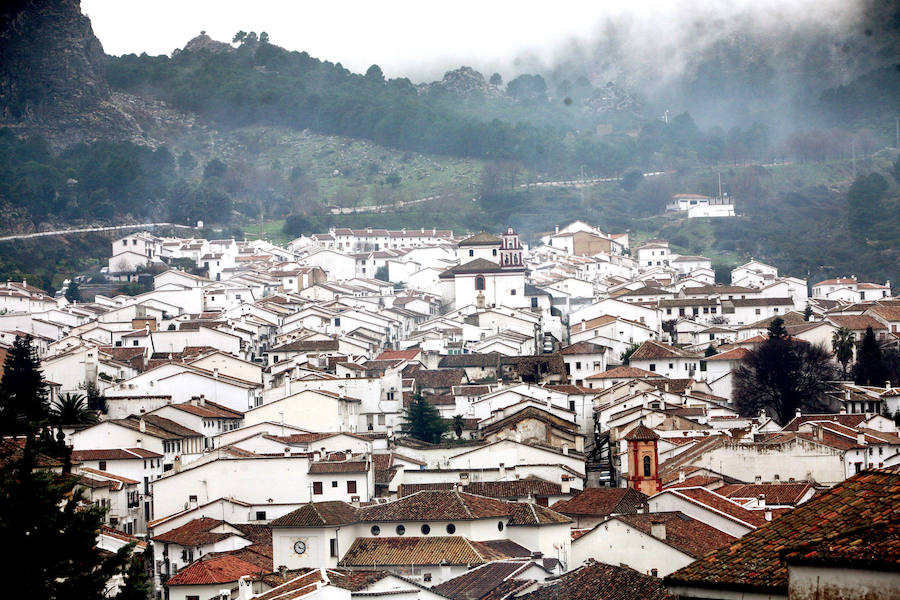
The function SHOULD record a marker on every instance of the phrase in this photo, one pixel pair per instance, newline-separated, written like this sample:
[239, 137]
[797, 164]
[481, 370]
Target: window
[351, 487]
[471, 252]
[317, 488]
[494, 252]
[102, 465]
[671, 366]
[332, 547]
[426, 577]
[646, 466]
[451, 528]
[426, 529]
[400, 530]
[334, 484]
[192, 498]
[577, 364]
[572, 405]
[260, 515]
[499, 525]
[479, 282]
[534, 301]
[652, 366]
[512, 292]
[337, 321]
[376, 530]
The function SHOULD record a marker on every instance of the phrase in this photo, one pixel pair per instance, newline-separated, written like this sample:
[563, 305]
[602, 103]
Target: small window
[652, 367]
[376, 530]
[471, 252]
[351, 487]
[400, 530]
[647, 466]
[426, 577]
[494, 252]
[332, 546]
[334, 484]
[499, 525]
[426, 529]
[192, 498]
[317, 488]
[102, 465]
[260, 515]
[451, 528]
[479, 282]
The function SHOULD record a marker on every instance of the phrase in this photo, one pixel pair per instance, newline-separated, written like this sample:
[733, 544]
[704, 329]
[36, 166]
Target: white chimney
[245, 588]
[142, 425]
[768, 514]
[761, 500]
[680, 475]
[216, 373]
[798, 413]
[658, 529]
[861, 438]
[287, 385]
[565, 486]
[502, 470]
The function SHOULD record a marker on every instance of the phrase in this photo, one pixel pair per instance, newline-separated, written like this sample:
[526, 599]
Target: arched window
[517, 259]
[479, 282]
[647, 466]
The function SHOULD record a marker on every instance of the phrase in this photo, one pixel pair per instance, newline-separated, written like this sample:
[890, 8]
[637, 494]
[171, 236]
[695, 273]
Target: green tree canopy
[870, 367]
[23, 391]
[422, 421]
[842, 344]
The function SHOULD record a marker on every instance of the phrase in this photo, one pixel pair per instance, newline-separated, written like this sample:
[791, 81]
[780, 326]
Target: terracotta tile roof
[211, 570]
[399, 354]
[517, 488]
[696, 481]
[480, 581]
[480, 239]
[683, 533]
[755, 563]
[453, 550]
[317, 514]
[734, 354]
[194, 533]
[641, 433]
[775, 493]
[602, 502]
[857, 322]
[583, 348]
[625, 372]
[599, 581]
[873, 547]
[295, 588]
[355, 580]
[508, 548]
[114, 454]
[847, 420]
[407, 489]
[436, 506]
[439, 378]
[527, 513]
[720, 504]
[307, 346]
[157, 426]
[112, 476]
[651, 349]
[473, 359]
[209, 410]
[350, 466]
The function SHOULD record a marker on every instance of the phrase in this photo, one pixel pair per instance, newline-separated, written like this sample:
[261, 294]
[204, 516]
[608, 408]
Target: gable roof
[684, 533]
[652, 349]
[755, 563]
[602, 502]
[211, 570]
[480, 581]
[318, 514]
[599, 581]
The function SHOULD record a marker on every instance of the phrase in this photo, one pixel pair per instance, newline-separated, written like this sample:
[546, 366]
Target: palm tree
[458, 425]
[72, 409]
[842, 343]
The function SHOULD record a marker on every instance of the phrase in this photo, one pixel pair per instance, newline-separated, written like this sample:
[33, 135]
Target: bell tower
[510, 250]
[643, 460]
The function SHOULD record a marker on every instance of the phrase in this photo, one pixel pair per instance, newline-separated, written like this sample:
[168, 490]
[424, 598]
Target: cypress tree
[422, 421]
[869, 368]
[23, 391]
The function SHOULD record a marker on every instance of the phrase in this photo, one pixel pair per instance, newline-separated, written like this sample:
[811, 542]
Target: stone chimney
[658, 529]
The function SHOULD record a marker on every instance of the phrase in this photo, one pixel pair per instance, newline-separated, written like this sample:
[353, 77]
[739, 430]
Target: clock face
[299, 546]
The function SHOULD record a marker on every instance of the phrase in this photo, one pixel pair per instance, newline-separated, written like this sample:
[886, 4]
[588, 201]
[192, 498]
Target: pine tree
[23, 391]
[422, 421]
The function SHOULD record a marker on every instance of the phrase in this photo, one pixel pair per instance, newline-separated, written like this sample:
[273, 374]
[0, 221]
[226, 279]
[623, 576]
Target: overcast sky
[418, 38]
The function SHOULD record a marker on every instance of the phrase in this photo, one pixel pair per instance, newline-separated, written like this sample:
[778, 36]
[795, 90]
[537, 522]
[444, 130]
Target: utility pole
[720, 185]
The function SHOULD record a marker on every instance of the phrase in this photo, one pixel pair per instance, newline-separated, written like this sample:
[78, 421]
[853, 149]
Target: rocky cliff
[52, 80]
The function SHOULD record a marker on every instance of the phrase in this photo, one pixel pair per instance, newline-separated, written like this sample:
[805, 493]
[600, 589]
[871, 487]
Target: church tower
[510, 250]
[643, 460]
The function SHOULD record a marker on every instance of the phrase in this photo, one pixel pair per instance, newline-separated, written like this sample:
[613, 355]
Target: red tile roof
[452, 550]
[436, 506]
[624, 372]
[602, 502]
[599, 581]
[194, 533]
[720, 504]
[480, 581]
[755, 562]
[775, 493]
[399, 354]
[652, 349]
[114, 454]
[683, 533]
[216, 570]
[641, 433]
